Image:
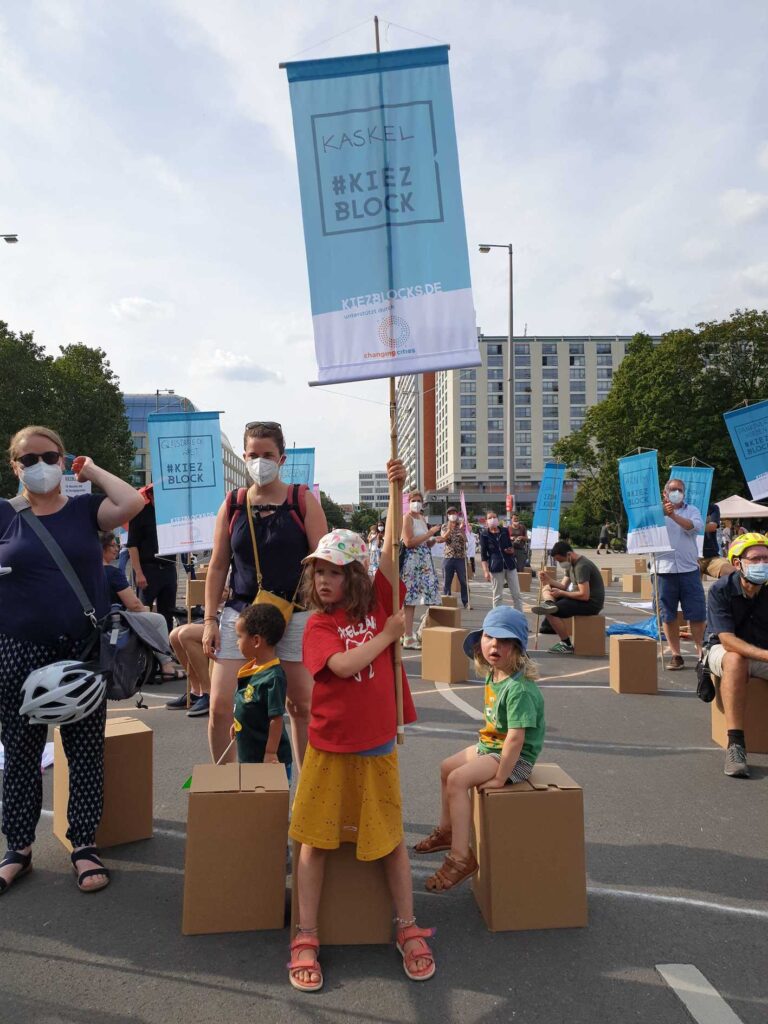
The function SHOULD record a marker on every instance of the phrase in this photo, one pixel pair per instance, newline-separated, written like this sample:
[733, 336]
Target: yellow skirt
[347, 798]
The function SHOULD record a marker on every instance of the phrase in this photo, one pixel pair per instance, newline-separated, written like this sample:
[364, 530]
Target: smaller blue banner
[698, 488]
[641, 493]
[748, 428]
[546, 516]
[188, 478]
[299, 466]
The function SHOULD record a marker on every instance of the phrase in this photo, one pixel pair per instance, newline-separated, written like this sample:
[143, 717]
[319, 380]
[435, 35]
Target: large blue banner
[640, 491]
[188, 474]
[545, 530]
[299, 466]
[748, 428]
[383, 215]
[698, 488]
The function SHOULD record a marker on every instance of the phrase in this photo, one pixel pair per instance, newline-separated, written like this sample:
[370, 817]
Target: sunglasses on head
[269, 424]
[31, 459]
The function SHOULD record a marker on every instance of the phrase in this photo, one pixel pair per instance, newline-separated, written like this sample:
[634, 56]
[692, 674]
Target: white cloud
[699, 250]
[136, 308]
[741, 206]
[762, 156]
[621, 293]
[156, 169]
[755, 278]
[234, 366]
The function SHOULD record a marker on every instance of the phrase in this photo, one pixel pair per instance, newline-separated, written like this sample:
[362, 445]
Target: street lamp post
[162, 391]
[509, 433]
[10, 239]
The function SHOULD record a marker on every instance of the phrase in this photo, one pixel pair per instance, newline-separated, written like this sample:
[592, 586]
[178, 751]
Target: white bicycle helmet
[61, 693]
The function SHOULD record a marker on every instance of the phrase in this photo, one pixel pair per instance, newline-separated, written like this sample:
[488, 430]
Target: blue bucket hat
[504, 623]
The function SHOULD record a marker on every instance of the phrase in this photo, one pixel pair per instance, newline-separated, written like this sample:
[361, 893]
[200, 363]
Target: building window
[496, 400]
[467, 400]
[605, 360]
[468, 438]
[522, 373]
[496, 450]
[522, 463]
[469, 450]
[549, 349]
[603, 348]
[468, 414]
[550, 373]
[495, 463]
[578, 373]
[495, 437]
[549, 360]
[467, 463]
[549, 399]
[495, 374]
[494, 349]
[495, 386]
[522, 424]
[523, 436]
[495, 424]
[603, 373]
[576, 348]
[522, 361]
[550, 385]
[551, 424]
[577, 424]
[550, 436]
[467, 387]
[522, 348]
[496, 360]
[522, 399]
[522, 449]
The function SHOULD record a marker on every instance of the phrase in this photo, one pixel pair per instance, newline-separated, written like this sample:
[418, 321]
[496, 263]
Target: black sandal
[12, 857]
[92, 854]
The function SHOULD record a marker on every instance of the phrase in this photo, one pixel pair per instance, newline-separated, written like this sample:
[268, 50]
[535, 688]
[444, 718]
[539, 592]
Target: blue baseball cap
[504, 623]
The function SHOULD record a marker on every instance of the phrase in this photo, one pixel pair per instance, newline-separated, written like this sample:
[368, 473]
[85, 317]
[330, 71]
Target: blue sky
[147, 164]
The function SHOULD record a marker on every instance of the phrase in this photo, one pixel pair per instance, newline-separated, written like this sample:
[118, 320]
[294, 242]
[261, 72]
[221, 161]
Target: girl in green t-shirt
[509, 743]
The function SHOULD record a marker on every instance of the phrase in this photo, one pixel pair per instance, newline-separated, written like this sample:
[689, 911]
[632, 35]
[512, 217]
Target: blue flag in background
[299, 466]
[546, 516]
[188, 478]
[698, 488]
[748, 428]
[640, 491]
[383, 214]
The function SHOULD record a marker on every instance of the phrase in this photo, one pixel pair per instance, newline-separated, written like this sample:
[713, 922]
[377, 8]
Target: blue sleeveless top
[36, 602]
[282, 544]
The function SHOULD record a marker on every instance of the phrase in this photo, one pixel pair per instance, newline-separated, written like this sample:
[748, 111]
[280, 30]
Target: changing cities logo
[393, 331]
[377, 167]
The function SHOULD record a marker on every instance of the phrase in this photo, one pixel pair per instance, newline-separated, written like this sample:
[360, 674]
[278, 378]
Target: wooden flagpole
[396, 512]
[543, 564]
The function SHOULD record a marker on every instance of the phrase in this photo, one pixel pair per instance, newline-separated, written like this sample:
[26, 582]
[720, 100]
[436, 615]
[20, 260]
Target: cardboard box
[524, 579]
[630, 583]
[449, 601]
[442, 655]
[127, 814]
[529, 842]
[588, 635]
[607, 574]
[633, 664]
[237, 836]
[755, 718]
[355, 905]
[641, 565]
[646, 588]
[441, 615]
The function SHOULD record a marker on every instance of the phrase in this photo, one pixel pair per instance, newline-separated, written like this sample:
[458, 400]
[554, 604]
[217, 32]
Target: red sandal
[301, 942]
[418, 951]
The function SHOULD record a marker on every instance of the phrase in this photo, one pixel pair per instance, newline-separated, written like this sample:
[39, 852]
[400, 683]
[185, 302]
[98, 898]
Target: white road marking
[574, 744]
[701, 1000]
[453, 698]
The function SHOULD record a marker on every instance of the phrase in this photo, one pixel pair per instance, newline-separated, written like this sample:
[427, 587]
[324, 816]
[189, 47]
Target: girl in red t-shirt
[349, 788]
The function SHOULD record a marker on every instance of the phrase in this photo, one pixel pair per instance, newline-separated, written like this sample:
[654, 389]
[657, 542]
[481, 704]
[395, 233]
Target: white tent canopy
[739, 508]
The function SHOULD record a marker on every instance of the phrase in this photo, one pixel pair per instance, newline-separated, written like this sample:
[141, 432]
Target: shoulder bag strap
[22, 507]
[253, 538]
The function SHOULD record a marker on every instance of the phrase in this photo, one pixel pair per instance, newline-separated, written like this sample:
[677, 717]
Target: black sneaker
[201, 706]
[180, 703]
[736, 762]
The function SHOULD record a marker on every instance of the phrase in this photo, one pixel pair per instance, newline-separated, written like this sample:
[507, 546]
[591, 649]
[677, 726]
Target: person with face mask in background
[737, 624]
[375, 544]
[287, 524]
[417, 570]
[455, 559]
[497, 555]
[679, 579]
[42, 622]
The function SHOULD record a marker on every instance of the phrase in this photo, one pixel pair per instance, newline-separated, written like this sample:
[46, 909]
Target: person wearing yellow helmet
[737, 619]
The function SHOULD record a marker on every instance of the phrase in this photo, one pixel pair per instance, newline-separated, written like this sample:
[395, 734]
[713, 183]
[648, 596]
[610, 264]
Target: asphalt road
[676, 861]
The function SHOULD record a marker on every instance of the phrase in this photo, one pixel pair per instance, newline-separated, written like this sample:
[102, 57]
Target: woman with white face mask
[42, 622]
[287, 525]
[417, 569]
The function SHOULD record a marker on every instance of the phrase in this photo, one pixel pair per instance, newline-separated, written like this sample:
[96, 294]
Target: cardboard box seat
[633, 664]
[529, 842]
[442, 655]
[442, 615]
[755, 717]
[237, 840]
[127, 815]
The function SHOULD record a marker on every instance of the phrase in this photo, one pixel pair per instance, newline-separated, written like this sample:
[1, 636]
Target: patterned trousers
[24, 742]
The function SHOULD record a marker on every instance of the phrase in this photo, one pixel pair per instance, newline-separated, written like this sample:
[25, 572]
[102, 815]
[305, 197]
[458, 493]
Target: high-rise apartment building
[555, 380]
[373, 489]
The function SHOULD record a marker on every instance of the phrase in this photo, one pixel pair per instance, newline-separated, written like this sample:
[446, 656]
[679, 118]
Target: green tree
[334, 513]
[75, 393]
[670, 397]
[363, 519]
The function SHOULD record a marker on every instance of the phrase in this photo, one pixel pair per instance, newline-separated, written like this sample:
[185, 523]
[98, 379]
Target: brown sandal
[438, 839]
[452, 873]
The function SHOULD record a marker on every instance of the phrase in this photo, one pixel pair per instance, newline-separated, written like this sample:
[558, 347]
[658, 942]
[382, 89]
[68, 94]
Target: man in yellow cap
[737, 616]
